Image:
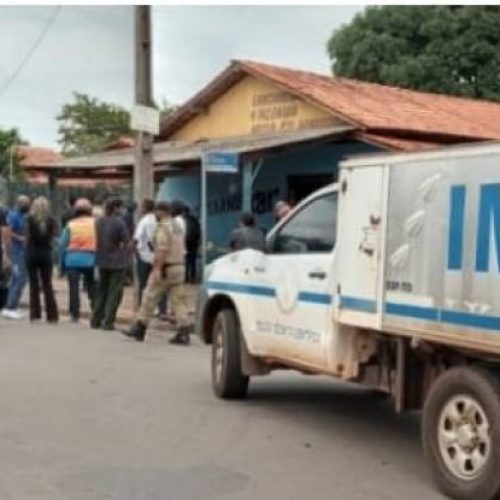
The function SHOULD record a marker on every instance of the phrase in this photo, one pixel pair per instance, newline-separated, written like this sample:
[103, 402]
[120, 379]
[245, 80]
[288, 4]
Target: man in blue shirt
[15, 220]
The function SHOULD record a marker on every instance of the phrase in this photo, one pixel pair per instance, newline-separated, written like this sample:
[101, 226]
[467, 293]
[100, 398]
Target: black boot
[181, 337]
[137, 331]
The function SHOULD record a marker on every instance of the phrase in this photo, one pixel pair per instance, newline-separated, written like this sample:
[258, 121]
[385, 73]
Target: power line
[31, 51]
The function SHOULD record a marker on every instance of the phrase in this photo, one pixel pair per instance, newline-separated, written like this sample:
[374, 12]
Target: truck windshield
[311, 230]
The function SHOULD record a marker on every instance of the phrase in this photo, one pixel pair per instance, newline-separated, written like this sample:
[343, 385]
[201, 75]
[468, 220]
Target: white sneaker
[12, 314]
[6, 313]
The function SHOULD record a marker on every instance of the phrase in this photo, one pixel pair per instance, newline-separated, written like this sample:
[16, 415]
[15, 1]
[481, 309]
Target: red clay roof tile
[405, 115]
[375, 106]
[32, 155]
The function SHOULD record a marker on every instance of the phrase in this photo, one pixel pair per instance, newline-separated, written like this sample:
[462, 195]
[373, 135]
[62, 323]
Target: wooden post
[143, 180]
[143, 168]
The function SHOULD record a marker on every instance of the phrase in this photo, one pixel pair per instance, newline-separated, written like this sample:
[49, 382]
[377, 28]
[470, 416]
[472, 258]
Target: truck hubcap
[464, 437]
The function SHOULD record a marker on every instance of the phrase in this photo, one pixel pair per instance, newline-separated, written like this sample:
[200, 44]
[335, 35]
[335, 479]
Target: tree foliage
[445, 49]
[9, 139]
[88, 125]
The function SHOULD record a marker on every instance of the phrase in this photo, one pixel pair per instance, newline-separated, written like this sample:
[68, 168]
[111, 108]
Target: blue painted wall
[271, 185]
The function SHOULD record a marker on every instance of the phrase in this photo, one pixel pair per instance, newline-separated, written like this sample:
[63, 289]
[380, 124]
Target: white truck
[389, 278]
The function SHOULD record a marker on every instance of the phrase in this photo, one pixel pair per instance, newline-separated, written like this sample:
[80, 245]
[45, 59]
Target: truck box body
[418, 248]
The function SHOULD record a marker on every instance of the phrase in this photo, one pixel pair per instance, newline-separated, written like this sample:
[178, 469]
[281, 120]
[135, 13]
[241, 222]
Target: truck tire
[461, 433]
[228, 381]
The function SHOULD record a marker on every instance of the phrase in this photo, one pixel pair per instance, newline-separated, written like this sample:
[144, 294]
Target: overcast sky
[89, 49]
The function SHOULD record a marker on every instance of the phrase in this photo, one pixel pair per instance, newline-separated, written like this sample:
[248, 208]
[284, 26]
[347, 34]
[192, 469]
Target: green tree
[87, 125]
[9, 139]
[445, 49]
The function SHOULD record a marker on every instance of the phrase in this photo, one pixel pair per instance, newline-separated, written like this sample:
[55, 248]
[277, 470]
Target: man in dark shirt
[113, 258]
[247, 235]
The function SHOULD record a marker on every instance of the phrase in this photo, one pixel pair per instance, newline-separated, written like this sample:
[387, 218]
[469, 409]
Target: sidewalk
[126, 311]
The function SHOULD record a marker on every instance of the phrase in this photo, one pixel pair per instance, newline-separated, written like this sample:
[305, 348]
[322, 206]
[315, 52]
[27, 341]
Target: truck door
[359, 253]
[295, 322]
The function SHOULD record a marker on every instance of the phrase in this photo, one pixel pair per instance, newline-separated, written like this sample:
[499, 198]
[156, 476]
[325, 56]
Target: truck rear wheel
[228, 380]
[461, 433]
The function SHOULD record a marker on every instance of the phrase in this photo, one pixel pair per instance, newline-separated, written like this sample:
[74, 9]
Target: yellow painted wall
[254, 106]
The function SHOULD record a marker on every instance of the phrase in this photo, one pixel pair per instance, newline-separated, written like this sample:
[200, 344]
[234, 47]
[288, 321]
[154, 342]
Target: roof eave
[231, 75]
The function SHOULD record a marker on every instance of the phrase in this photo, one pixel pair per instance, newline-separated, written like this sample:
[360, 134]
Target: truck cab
[283, 297]
[301, 302]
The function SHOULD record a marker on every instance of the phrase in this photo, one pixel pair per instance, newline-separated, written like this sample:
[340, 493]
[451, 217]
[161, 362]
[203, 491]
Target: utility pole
[143, 167]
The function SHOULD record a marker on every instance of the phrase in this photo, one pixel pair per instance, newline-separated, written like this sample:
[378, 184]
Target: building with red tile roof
[34, 155]
[392, 117]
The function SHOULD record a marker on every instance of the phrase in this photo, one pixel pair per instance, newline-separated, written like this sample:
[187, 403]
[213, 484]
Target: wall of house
[271, 184]
[254, 106]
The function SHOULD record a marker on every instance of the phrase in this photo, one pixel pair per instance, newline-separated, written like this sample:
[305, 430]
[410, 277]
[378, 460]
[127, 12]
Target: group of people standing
[31, 243]
[28, 232]
[165, 245]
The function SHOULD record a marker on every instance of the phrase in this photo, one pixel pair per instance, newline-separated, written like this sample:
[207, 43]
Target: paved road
[87, 415]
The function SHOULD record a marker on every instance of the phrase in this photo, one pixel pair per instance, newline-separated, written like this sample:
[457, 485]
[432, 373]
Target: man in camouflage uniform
[167, 275]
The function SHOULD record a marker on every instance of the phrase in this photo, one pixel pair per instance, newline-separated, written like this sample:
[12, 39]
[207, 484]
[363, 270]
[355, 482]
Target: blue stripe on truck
[315, 298]
[411, 311]
[460, 318]
[471, 319]
[264, 291]
[358, 304]
[223, 286]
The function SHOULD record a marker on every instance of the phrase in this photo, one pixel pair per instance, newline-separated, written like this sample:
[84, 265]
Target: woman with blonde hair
[41, 229]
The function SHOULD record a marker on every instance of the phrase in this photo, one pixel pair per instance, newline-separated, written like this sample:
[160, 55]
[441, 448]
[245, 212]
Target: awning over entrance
[248, 146]
[170, 155]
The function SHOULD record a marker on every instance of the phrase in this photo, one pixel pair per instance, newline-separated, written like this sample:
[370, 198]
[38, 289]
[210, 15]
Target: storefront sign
[221, 162]
[282, 112]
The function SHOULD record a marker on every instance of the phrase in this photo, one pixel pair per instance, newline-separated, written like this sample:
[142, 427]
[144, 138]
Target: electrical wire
[31, 51]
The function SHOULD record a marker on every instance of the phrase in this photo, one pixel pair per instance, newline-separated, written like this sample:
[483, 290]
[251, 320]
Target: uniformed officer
[167, 275]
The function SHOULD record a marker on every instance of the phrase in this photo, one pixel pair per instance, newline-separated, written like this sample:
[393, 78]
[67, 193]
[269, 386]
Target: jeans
[191, 258]
[40, 269]
[143, 272]
[18, 282]
[74, 274]
[109, 297]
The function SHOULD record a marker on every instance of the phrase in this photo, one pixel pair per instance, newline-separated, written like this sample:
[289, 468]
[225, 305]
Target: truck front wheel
[461, 433]
[228, 380]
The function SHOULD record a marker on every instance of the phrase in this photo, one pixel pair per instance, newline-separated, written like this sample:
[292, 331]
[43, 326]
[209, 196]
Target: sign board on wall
[255, 106]
[221, 162]
[279, 111]
[145, 119]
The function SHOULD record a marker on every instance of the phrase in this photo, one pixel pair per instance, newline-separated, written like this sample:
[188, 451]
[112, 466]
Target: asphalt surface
[88, 415]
